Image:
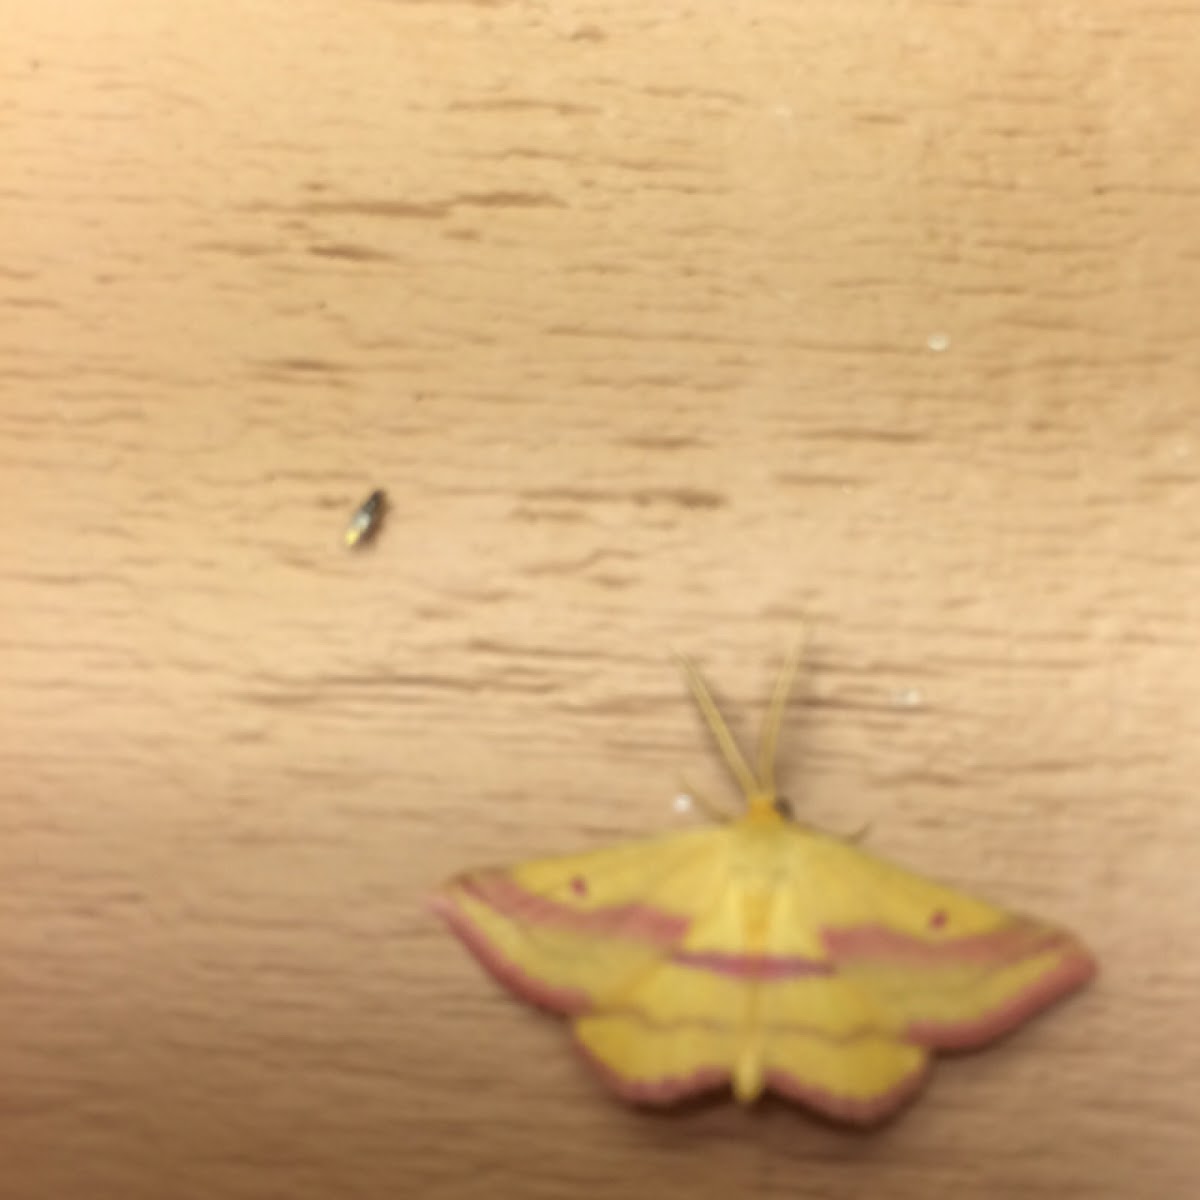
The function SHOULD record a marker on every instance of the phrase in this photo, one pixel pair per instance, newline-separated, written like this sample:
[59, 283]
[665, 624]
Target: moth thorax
[765, 808]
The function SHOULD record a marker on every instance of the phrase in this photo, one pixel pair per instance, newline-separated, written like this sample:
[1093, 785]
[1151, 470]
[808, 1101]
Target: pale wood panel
[632, 313]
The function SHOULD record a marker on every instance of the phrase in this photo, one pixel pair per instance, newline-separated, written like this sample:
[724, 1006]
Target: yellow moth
[760, 954]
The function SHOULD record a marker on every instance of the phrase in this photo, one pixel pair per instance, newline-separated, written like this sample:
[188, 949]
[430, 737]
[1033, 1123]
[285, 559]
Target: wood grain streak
[665, 327]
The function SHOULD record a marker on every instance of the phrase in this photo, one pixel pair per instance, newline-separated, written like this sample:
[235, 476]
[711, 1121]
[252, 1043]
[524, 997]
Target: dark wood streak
[422, 210]
[662, 442]
[510, 104]
[350, 252]
[692, 498]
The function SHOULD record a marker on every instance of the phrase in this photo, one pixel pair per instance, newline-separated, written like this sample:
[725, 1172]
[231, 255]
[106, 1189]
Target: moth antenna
[720, 731]
[774, 722]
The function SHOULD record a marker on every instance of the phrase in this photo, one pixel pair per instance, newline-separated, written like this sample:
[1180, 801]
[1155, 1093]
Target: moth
[366, 519]
[760, 954]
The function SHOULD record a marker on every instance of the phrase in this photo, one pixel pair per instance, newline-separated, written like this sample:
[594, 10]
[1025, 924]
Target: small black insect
[366, 520]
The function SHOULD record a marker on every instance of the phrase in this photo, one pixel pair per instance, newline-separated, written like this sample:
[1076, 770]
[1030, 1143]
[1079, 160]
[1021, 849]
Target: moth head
[765, 808]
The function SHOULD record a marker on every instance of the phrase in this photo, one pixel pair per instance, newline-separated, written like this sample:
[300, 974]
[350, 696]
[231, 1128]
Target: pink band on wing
[1073, 972]
[509, 973]
[879, 944]
[655, 1092]
[869, 1110]
[752, 966]
[634, 922]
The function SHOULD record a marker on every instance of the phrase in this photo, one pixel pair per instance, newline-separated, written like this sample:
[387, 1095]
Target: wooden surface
[664, 326]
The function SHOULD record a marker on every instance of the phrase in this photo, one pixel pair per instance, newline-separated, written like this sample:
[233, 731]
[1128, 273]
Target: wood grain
[664, 326]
